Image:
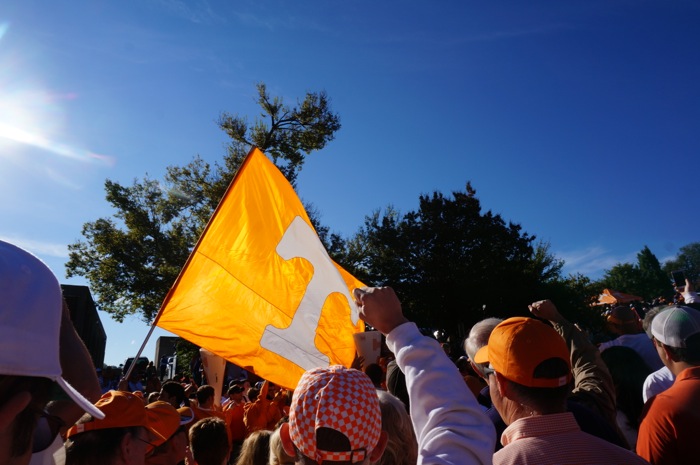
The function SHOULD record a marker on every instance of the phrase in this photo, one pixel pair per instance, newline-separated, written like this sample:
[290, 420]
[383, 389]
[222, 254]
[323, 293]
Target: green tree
[644, 279]
[575, 297]
[688, 259]
[132, 258]
[451, 263]
[655, 281]
[623, 277]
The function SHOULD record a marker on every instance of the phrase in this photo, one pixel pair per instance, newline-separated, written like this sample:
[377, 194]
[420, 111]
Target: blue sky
[580, 120]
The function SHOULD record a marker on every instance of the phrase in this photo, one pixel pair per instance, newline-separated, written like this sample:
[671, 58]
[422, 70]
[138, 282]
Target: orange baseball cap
[518, 345]
[163, 418]
[121, 410]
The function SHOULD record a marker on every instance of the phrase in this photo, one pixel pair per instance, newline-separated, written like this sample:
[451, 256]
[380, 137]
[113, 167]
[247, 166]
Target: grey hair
[478, 337]
[402, 446]
[649, 317]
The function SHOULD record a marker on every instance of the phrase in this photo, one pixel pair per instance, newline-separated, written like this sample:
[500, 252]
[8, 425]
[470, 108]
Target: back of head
[278, 456]
[335, 416]
[253, 394]
[649, 317]
[396, 383]
[124, 413]
[628, 371]
[478, 337]
[209, 441]
[402, 447]
[624, 320]
[235, 389]
[255, 449]
[375, 373]
[174, 390]
[679, 328]
[204, 394]
[532, 356]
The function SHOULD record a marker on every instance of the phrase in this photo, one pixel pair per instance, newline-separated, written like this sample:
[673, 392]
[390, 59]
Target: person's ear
[12, 407]
[125, 447]
[667, 354]
[287, 443]
[502, 384]
[379, 449]
[478, 371]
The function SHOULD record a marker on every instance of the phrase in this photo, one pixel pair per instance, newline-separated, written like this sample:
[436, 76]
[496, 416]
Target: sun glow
[32, 117]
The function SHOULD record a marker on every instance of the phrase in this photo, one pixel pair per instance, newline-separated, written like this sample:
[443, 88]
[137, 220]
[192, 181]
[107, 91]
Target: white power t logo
[296, 342]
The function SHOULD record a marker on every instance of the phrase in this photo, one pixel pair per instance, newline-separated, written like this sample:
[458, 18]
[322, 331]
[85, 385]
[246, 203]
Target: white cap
[31, 305]
[673, 326]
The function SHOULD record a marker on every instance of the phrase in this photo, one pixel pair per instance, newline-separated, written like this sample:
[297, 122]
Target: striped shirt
[556, 439]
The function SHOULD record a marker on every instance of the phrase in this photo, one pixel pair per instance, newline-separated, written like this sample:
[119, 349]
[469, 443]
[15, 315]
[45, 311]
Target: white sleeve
[690, 297]
[646, 388]
[449, 423]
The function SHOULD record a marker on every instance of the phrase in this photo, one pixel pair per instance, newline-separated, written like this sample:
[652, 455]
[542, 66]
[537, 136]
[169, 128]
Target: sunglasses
[488, 371]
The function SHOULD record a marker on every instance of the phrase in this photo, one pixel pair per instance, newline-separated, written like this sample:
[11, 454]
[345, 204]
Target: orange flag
[259, 289]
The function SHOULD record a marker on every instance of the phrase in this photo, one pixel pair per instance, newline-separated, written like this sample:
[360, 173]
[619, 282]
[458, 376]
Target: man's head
[205, 396]
[126, 432]
[649, 317]
[171, 444]
[31, 308]
[209, 441]
[530, 364]
[235, 393]
[624, 320]
[173, 393]
[334, 417]
[478, 337]
[676, 332]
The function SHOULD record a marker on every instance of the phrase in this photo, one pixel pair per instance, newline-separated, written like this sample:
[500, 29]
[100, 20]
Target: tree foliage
[645, 278]
[451, 263]
[288, 134]
[688, 259]
[132, 258]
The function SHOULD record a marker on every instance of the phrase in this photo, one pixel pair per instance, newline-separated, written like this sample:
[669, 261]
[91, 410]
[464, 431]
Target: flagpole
[172, 288]
[138, 354]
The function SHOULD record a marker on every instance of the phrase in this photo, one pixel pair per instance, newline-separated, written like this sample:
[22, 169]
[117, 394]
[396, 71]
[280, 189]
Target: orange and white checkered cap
[341, 399]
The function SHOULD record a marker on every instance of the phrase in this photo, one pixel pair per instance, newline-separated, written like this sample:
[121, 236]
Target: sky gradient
[579, 120]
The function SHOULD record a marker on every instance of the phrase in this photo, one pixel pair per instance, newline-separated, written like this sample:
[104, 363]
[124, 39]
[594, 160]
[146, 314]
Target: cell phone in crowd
[678, 279]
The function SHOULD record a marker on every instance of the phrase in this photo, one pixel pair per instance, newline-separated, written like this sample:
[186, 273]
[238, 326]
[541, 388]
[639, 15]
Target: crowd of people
[530, 390]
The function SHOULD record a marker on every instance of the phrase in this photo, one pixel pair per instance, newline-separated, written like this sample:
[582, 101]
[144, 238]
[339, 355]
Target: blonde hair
[277, 454]
[255, 449]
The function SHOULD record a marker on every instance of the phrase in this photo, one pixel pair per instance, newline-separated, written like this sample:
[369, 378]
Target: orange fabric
[611, 297]
[234, 419]
[517, 345]
[261, 414]
[200, 413]
[260, 277]
[121, 409]
[668, 430]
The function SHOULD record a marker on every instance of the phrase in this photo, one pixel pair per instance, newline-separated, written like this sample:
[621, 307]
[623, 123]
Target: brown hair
[209, 441]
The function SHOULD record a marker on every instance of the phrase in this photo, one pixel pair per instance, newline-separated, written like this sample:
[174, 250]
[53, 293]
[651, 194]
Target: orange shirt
[234, 419]
[668, 431]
